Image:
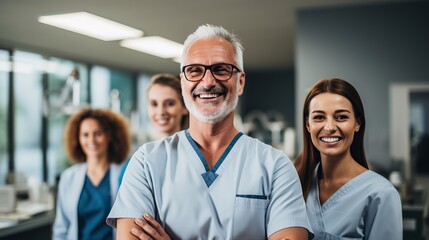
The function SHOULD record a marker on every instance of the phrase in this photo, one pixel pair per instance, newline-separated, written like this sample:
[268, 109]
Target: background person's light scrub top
[72, 181]
[367, 207]
[251, 192]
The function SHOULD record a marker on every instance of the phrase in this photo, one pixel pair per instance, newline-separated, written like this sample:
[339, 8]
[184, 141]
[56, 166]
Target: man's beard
[221, 113]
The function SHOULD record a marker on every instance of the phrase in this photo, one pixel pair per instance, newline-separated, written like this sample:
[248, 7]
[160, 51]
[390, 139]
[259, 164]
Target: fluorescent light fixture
[92, 26]
[33, 66]
[154, 45]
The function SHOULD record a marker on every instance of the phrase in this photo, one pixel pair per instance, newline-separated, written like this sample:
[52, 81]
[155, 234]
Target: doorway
[419, 130]
[409, 127]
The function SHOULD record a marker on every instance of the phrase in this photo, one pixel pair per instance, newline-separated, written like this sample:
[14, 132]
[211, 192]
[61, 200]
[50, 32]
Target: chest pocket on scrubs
[249, 217]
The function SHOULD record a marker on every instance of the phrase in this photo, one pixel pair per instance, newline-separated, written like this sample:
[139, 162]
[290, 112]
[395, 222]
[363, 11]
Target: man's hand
[149, 228]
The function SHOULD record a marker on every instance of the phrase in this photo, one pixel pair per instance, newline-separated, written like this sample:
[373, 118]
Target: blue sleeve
[384, 216]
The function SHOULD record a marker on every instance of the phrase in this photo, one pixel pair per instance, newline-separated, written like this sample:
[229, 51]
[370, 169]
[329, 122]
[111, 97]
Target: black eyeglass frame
[210, 67]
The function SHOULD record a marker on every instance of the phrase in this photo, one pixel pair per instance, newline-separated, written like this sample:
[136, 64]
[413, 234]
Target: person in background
[166, 108]
[344, 199]
[97, 141]
[210, 181]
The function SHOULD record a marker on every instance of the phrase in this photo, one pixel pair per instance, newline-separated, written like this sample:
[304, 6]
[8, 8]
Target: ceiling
[266, 28]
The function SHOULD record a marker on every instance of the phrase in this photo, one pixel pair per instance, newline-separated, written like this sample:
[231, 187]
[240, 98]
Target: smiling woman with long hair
[166, 108]
[344, 198]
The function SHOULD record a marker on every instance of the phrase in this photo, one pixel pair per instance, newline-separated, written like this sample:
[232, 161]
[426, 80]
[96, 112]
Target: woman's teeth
[329, 140]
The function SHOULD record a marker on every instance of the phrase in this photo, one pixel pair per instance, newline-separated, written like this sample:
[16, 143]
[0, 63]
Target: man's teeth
[336, 139]
[209, 95]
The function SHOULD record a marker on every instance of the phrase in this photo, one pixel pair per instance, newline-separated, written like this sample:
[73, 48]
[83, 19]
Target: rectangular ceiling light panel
[154, 45]
[92, 26]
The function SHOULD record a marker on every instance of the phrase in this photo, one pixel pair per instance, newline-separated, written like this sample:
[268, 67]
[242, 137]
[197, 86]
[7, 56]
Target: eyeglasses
[220, 71]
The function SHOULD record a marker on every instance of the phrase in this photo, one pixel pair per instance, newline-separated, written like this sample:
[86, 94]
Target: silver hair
[210, 31]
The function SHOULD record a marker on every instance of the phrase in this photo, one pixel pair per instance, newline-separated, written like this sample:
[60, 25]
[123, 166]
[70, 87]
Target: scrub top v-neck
[366, 207]
[210, 175]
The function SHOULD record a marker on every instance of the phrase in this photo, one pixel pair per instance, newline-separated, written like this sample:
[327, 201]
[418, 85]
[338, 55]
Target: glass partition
[123, 82]
[4, 95]
[28, 73]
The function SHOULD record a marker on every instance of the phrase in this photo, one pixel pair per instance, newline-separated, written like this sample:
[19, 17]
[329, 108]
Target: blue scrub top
[93, 208]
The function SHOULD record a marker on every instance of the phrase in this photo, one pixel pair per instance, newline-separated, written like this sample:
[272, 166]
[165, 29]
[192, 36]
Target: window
[112, 89]
[43, 102]
[57, 115]
[41, 114]
[28, 115]
[116, 90]
[4, 95]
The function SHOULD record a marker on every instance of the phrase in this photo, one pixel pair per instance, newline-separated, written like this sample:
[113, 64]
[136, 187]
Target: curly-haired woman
[97, 142]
